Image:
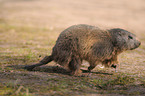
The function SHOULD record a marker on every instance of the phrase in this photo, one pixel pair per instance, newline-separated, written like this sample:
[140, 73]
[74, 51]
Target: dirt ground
[29, 29]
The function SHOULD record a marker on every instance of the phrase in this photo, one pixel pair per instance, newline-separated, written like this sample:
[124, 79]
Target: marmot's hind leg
[44, 61]
[74, 66]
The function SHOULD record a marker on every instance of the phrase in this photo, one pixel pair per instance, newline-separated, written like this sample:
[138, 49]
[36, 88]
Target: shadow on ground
[55, 69]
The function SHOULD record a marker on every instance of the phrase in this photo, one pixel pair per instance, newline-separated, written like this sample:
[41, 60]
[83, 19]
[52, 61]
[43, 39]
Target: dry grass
[29, 29]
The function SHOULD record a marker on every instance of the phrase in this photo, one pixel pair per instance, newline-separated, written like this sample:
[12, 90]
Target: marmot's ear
[118, 31]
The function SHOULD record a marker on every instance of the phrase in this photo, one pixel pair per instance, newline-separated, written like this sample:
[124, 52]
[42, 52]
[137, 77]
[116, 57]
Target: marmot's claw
[114, 65]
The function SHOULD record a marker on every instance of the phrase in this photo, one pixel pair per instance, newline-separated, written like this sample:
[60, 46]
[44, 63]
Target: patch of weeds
[142, 83]
[97, 81]
[123, 80]
[84, 85]
[28, 56]
[68, 85]
[5, 91]
[12, 89]
[119, 80]
[135, 93]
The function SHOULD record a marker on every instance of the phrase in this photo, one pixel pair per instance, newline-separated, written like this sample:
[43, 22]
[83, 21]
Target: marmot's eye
[130, 37]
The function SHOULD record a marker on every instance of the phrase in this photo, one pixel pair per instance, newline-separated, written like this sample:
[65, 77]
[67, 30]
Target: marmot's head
[124, 40]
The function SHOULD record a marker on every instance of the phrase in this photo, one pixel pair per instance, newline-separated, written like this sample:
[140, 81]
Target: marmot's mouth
[136, 46]
[133, 48]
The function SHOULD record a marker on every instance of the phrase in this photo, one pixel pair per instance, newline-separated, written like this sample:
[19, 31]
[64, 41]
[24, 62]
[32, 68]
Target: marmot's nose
[139, 43]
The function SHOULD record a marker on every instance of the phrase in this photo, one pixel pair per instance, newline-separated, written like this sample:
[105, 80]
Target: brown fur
[86, 42]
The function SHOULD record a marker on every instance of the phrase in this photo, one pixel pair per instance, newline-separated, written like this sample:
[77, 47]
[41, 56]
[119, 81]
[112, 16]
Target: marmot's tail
[44, 61]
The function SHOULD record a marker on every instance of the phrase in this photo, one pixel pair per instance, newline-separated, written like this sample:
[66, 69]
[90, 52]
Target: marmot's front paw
[114, 66]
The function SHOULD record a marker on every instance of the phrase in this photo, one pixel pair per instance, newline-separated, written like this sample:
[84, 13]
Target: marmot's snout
[139, 43]
[136, 45]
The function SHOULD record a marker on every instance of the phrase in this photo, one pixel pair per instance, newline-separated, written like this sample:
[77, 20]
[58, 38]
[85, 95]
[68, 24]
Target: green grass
[12, 89]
